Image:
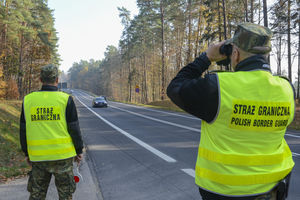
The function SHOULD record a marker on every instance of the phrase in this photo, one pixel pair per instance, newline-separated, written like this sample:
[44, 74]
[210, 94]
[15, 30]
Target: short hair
[49, 73]
[245, 54]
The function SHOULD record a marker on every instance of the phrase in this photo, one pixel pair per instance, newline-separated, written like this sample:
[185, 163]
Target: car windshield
[99, 98]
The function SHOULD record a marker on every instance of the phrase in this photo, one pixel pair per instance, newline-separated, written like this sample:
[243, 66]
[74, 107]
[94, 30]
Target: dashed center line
[143, 144]
[154, 119]
[190, 172]
[159, 111]
[295, 154]
[296, 136]
[178, 125]
[158, 120]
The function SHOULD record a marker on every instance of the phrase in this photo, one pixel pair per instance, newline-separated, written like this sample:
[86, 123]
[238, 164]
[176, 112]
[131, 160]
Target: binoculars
[225, 49]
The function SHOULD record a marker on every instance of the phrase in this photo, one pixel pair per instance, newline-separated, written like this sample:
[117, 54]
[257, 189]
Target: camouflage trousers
[40, 176]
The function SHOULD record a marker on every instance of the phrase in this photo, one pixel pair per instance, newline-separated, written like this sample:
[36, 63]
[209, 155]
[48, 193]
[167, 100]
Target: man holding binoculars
[242, 152]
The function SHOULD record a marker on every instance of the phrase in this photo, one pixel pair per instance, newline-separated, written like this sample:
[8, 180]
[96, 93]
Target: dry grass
[166, 105]
[296, 123]
[12, 163]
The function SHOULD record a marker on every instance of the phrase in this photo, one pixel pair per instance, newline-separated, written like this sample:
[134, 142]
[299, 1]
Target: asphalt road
[145, 154]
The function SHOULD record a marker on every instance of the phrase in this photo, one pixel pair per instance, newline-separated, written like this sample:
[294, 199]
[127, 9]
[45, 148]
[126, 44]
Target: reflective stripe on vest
[46, 127]
[243, 152]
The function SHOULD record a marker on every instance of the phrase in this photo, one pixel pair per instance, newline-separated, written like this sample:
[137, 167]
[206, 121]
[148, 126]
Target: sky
[86, 27]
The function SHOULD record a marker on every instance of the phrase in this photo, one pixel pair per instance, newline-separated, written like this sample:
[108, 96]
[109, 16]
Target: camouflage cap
[49, 73]
[252, 38]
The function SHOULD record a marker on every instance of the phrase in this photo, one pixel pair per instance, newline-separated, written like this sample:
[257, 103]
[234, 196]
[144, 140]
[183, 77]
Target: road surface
[145, 154]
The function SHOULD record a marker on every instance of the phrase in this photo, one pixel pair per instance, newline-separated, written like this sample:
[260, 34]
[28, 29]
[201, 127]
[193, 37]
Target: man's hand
[78, 158]
[213, 52]
[28, 161]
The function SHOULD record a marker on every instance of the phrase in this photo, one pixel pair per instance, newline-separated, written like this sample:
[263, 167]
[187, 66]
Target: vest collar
[49, 88]
[256, 62]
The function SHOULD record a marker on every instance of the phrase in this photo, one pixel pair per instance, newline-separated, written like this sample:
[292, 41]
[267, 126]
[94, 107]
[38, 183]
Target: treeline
[85, 75]
[168, 34]
[28, 40]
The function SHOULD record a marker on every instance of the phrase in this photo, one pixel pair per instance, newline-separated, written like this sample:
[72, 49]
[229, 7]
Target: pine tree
[2, 84]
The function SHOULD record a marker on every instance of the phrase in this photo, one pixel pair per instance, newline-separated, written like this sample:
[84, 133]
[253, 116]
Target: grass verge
[296, 123]
[166, 105]
[169, 105]
[12, 160]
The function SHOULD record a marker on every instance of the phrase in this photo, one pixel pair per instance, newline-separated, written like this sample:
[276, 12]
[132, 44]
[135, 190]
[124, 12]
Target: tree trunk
[259, 8]
[30, 75]
[130, 83]
[154, 71]
[181, 43]
[189, 51]
[20, 69]
[163, 80]
[279, 56]
[4, 42]
[246, 11]
[121, 80]
[224, 20]
[298, 85]
[289, 42]
[198, 33]
[219, 22]
[178, 49]
[145, 91]
[153, 83]
[265, 13]
[251, 10]
[266, 18]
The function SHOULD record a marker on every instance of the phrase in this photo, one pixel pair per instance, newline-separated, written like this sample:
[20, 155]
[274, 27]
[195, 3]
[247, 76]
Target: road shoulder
[86, 189]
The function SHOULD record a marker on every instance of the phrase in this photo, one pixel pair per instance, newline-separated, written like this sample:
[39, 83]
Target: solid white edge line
[159, 111]
[154, 119]
[85, 98]
[158, 120]
[290, 135]
[182, 126]
[295, 154]
[287, 134]
[143, 144]
[153, 110]
[190, 172]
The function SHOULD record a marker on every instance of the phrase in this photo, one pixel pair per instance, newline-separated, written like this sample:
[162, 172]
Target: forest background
[155, 44]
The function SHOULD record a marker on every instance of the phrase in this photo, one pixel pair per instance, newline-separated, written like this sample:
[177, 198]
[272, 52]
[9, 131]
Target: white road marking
[143, 144]
[85, 97]
[181, 126]
[154, 119]
[159, 111]
[295, 154]
[190, 172]
[158, 120]
[153, 110]
[296, 136]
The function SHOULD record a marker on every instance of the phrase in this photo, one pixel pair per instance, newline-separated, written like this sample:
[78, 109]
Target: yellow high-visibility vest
[46, 127]
[243, 151]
